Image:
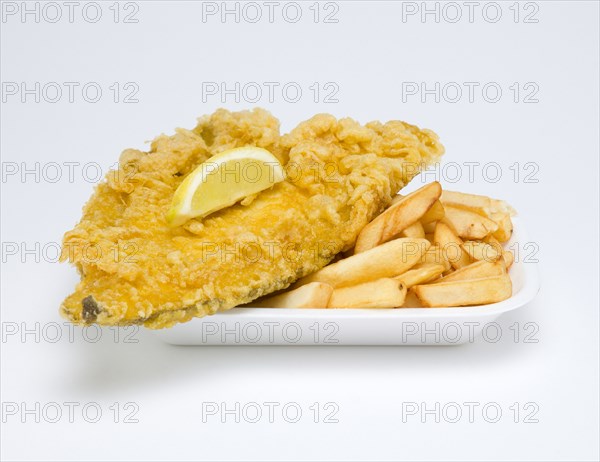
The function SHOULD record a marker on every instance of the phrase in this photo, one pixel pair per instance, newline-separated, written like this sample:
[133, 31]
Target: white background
[368, 53]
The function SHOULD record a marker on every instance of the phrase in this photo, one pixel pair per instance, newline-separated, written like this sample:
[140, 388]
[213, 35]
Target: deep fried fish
[136, 269]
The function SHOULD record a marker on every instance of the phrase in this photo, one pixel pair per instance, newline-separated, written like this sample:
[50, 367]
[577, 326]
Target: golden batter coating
[135, 269]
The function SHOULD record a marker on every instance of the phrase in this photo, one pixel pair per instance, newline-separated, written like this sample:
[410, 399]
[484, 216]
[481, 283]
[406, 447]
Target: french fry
[435, 256]
[477, 270]
[465, 293]
[450, 245]
[313, 295]
[397, 217]
[469, 225]
[411, 301]
[497, 210]
[420, 275]
[414, 230]
[397, 198]
[381, 293]
[384, 261]
[435, 213]
[502, 207]
[493, 242]
[509, 258]
[472, 202]
[482, 205]
[505, 226]
[478, 250]
[429, 228]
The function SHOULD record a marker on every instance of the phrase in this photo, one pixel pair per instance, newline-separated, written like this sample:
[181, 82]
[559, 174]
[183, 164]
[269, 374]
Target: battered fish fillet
[137, 270]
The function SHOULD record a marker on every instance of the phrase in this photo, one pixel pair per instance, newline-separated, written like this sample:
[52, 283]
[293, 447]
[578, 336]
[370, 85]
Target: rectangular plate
[404, 326]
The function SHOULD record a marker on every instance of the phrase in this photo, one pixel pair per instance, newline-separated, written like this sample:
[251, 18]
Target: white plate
[407, 326]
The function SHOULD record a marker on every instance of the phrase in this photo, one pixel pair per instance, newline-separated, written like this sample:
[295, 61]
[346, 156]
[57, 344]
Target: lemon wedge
[223, 180]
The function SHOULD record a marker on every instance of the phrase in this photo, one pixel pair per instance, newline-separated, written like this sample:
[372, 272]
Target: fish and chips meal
[232, 213]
